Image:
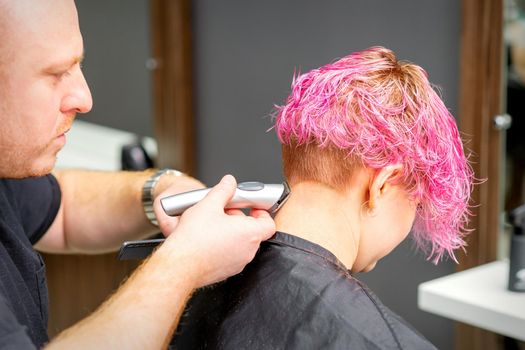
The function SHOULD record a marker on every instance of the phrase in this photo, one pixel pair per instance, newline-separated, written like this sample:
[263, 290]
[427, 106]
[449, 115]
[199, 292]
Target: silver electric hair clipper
[256, 195]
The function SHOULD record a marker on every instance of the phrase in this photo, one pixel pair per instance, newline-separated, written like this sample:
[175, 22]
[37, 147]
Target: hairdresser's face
[385, 228]
[41, 84]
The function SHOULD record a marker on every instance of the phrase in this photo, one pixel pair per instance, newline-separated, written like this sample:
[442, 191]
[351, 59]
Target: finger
[222, 193]
[266, 225]
[168, 226]
[237, 212]
[268, 229]
[259, 213]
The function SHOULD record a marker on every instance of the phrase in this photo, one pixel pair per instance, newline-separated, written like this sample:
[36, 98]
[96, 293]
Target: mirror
[514, 95]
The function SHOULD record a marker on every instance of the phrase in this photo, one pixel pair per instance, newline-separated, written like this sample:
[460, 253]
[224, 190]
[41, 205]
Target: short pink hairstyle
[381, 111]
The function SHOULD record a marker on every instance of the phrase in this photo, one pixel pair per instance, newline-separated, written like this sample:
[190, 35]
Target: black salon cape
[294, 295]
[27, 209]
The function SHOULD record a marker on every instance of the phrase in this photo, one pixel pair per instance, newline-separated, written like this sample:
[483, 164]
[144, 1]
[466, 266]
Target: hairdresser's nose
[77, 98]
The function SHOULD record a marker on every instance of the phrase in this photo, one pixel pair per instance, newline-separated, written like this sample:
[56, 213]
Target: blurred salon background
[199, 80]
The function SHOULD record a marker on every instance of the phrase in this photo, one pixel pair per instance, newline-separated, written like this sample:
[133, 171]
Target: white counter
[478, 297]
[97, 147]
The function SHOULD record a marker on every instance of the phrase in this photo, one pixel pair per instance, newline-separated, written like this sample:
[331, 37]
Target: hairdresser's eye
[61, 75]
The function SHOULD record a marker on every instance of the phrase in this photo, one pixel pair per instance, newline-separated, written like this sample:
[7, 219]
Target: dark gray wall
[117, 44]
[245, 56]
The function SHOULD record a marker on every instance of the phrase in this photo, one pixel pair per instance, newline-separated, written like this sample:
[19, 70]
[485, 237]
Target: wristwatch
[147, 192]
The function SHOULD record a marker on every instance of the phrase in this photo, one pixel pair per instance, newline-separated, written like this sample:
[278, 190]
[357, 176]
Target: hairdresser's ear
[380, 183]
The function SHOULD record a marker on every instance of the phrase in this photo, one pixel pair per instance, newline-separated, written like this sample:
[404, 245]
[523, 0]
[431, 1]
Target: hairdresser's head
[369, 113]
[41, 84]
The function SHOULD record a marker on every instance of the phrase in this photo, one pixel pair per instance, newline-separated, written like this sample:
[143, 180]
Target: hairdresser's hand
[219, 243]
[168, 186]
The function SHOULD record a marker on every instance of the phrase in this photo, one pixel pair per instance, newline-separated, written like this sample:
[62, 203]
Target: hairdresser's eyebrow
[64, 65]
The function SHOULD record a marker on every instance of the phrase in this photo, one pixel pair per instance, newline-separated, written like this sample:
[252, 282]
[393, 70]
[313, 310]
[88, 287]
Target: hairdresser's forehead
[30, 28]
[42, 19]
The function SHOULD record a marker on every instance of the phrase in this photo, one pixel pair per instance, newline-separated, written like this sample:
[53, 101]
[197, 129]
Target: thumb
[222, 193]
[265, 222]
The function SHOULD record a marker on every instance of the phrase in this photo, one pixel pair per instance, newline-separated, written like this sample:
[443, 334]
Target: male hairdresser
[41, 90]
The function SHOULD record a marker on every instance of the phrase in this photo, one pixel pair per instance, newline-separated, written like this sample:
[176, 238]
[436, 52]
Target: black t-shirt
[293, 295]
[27, 209]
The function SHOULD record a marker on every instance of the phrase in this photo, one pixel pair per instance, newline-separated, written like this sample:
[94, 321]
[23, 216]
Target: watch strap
[148, 189]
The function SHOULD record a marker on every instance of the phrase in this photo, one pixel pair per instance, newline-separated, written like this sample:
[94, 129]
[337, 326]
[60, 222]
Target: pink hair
[384, 112]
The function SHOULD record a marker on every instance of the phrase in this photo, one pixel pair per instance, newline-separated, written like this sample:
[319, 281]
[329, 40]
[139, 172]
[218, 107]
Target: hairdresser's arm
[100, 210]
[208, 245]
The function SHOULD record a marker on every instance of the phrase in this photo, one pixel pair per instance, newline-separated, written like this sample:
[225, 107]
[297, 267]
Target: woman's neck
[325, 216]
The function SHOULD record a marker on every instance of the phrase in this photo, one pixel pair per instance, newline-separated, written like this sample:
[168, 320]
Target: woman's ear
[380, 182]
